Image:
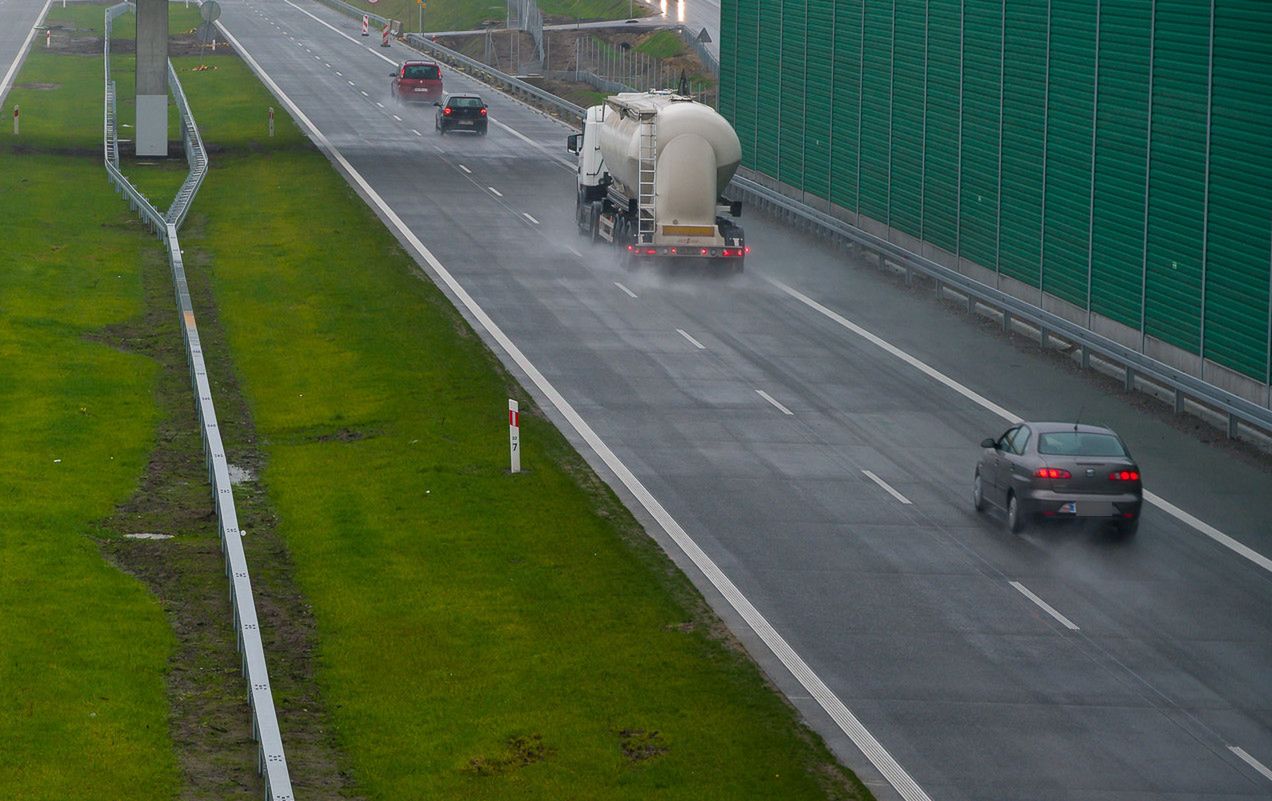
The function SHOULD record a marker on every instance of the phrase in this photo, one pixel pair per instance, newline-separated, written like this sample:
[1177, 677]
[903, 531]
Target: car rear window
[421, 72]
[465, 102]
[1079, 443]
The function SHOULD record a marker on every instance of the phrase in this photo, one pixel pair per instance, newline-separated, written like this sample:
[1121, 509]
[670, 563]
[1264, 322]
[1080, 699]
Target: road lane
[907, 613]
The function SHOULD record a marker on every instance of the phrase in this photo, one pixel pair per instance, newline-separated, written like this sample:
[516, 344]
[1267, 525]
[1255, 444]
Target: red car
[416, 80]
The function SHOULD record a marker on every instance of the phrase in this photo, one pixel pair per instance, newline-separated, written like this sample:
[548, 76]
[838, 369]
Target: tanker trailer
[652, 168]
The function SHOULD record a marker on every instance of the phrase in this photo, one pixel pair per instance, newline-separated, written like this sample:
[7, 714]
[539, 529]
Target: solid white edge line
[692, 341]
[887, 488]
[817, 689]
[773, 401]
[496, 191]
[7, 83]
[1046, 607]
[1251, 761]
[630, 293]
[980, 400]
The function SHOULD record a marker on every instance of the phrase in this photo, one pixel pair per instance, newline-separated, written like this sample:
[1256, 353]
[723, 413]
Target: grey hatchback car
[1059, 470]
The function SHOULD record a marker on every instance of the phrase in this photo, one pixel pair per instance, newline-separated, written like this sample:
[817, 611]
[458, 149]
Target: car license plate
[421, 89]
[1070, 508]
[465, 122]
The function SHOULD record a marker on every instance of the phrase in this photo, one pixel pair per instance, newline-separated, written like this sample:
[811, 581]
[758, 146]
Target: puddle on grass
[240, 475]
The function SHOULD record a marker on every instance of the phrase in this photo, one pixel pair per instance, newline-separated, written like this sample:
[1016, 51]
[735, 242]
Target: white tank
[698, 152]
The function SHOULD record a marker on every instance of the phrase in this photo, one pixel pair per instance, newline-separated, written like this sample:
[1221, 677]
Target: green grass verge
[481, 636]
[83, 712]
[662, 44]
[465, 15]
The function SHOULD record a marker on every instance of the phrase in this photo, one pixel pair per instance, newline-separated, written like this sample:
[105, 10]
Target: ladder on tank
[645, 222]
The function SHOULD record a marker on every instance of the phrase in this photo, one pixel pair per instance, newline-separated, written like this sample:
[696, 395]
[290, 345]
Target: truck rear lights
[1124, 475]
[703, 252]
[482, 112]
[651, 251]
[631, 249]
[1051, 472]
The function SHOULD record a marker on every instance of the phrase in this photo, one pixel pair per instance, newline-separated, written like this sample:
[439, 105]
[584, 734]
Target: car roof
[417, 62]
[1084, 428]
[453, 95]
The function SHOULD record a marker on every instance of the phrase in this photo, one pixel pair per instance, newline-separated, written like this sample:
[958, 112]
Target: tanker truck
[652, 167]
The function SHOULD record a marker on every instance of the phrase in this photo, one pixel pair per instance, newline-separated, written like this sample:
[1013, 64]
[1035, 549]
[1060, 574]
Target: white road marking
[799, 669]
[465, 169]
[1046, 607]
[364, 92]
[692, 341]
[629, 293]
[569, 165]
[417, 133]
[496, 191]
[351, 83]
[317, 58]
[573, 250]
[341, 74]
[396, 117]
[378, 103]
[773, 401]
[1251, 761]
[980, 400]
[528, 217]
[325, 64]
[887, 488]
[22, 51]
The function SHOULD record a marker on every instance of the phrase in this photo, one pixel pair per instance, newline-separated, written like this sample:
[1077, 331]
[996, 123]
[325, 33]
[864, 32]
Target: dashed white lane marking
[887, 488]
[317, 58]
[628, 292]
[341, 74]
[692, 341]
[378, 103]
[843, 717]
[364, 92]
[417, 133]
[325, 64]
[1251, 761]
[1046, 607]
[773, 401]
[496, 191]
[351, 83]
[574, 250]
[530, 218]
[465, 169]
[396, 117]
[985, 403]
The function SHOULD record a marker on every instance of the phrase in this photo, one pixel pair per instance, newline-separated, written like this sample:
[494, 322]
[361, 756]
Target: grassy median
[83, 647]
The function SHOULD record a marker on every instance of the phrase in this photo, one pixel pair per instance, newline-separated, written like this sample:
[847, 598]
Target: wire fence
[524, 15]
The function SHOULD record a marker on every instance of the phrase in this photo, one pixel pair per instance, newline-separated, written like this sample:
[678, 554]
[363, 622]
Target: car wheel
[978, 493]
[1015, 518]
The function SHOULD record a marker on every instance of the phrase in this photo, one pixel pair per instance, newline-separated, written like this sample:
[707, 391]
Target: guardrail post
[1044, 336]
[1179, 401]
[1006, 321]
[1233, 426]
[1130, 379]
[1086, 358]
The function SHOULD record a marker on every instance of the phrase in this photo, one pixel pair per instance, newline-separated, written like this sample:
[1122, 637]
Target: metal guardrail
[1132, 362]
[271, 760]
[514, 86]
[1236, 409]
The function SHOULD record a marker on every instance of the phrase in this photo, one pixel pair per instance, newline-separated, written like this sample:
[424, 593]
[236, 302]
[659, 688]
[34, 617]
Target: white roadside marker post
[514, 435]
[48, 37]
[17, 112]
[271, 120]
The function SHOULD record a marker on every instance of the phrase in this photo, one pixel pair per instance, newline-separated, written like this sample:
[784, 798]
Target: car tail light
[446, 111]
[631, 249]
[483, 112]
[1051, 472]
[673, 251]
[651, 252]
[747, 249]
[1124, 475]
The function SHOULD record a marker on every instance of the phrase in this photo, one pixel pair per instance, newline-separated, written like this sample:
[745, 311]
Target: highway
[18, 19]
[826, 473]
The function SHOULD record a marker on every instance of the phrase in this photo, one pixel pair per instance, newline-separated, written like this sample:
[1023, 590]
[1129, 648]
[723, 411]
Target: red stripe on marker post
[514, 436]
